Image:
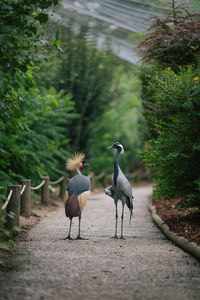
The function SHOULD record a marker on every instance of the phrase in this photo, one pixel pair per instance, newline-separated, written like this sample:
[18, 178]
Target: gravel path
[143, 266]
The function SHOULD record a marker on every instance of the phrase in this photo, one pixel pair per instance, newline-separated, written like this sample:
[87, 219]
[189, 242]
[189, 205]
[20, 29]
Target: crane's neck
[78, 171]
[116, 167]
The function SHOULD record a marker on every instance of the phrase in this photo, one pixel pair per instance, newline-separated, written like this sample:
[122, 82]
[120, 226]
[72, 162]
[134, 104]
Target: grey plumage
[77, 191]
[120, 189]
[78, 185]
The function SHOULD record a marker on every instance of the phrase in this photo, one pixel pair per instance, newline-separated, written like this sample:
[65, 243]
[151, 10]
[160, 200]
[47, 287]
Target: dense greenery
[21, 25]
[174, 40]
[122, 122]
[170, 94]
[175, 153]
[86, 73]
[21, 43]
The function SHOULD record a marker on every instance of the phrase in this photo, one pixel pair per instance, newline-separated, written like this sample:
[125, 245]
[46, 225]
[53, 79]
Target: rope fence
[23, 189]
[8, 199]
[57, 181]
[34, 188]
[18, 201]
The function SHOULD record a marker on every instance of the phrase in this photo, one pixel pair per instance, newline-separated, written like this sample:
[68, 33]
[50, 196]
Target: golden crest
[74, 162]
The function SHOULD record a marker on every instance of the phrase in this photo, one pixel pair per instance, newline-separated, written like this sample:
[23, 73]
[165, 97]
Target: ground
[38, 212]
[181, 220]
[185, 221]
[143, 266]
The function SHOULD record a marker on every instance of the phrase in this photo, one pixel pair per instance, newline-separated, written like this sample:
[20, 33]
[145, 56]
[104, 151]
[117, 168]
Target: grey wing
[125, 186]
[78, 185]
[127, 191]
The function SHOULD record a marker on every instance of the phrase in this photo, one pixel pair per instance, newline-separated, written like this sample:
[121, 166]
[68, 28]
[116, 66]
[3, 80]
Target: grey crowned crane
[77, 191]
[120, 189]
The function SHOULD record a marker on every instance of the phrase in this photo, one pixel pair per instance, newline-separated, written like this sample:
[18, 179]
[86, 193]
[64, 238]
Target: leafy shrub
[174, 40]
[21, 28]
[41, 147]
[174, 154]
[21, 46]
[7, 236]
[149, 109]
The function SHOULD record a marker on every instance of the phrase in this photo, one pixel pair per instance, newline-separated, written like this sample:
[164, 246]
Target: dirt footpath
[143, 266]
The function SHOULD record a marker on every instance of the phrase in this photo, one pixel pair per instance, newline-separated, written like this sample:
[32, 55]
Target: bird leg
[69, 236]
[122, 221]
[116, 217]
[79, 228]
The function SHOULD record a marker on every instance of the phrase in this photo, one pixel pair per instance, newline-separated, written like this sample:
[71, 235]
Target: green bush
[149, 109]
[174, 155]
[7, 237]
[41, 146]
[21, 47]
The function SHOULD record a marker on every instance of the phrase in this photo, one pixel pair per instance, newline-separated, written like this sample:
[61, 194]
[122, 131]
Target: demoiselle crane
[77, 191]
[120, 189]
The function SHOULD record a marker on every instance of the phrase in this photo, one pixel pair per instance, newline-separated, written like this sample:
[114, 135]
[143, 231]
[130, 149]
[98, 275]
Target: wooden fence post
[25, 203]
[45, 190]
[104, 180]
[91, 176]
[63, 185]
[13, 206]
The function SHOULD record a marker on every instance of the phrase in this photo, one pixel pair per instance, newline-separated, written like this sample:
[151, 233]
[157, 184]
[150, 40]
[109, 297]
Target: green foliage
[20, 38]
[174, 154]
[41, 147]
[170, 103]
[121, 122]
[21, 27]
[86, 73]
[19, 32]
[149, 108]
[7, 236]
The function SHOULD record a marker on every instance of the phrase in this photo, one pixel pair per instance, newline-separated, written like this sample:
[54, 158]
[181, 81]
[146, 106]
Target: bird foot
[68, 238]
[115, 237]
[80, 238]
[122, 238]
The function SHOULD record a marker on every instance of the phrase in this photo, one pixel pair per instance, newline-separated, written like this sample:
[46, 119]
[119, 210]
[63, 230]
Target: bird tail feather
[129, 202]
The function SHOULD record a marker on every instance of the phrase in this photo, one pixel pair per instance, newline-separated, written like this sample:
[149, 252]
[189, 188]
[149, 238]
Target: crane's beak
[110, 147]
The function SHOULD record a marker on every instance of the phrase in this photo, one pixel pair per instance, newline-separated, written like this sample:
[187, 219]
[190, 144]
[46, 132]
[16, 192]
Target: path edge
[180, 241]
